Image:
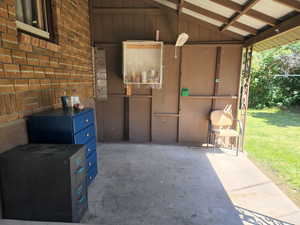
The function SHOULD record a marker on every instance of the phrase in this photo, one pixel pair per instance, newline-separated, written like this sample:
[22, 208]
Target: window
[32, 16]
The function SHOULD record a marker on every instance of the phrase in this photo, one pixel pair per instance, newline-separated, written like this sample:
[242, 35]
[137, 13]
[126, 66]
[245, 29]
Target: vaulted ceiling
[265, 23]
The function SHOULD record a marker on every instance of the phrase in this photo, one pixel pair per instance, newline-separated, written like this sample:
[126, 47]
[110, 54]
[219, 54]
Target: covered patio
[161, 184]
[148, 171]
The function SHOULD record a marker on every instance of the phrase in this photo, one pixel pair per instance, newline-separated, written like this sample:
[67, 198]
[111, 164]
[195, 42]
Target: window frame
[38, 32]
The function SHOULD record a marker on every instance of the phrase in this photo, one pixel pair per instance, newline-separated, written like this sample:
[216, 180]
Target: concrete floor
[154, 184]
[172, 185]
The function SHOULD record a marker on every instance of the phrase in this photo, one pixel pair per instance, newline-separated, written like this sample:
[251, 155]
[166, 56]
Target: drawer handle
[78, 161]
[88, 134]
[89, 150]
[79, 190]
[80, 170]
[82, 199]
[90, 164]
[86, 120]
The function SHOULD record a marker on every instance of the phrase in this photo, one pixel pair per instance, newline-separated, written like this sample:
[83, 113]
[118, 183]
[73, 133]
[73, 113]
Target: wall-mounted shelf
[210, 97]
[142, 63]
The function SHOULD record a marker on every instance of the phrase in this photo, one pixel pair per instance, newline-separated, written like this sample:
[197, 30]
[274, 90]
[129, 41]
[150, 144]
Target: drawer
[84, 136]
[92, 173]
[78, 160]
[80, 204]
[78, 168]
[82, 121]
[91, 147]
[91, 160]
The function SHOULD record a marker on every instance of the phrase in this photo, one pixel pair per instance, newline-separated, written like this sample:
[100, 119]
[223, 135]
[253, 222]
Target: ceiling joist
[187, 10]
[252, 13]
[281, 28]
[237, 15]
[184, 15]
[218, 17]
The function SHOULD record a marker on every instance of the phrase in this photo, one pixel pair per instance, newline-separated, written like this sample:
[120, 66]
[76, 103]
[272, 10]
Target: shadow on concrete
[255, 218]
[155, 184]
[279, 118]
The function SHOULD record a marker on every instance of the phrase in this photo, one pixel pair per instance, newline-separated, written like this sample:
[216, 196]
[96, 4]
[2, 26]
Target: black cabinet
[70, 126]
[44, 182]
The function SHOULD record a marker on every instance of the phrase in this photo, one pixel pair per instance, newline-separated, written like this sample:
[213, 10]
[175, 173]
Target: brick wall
[34, 73]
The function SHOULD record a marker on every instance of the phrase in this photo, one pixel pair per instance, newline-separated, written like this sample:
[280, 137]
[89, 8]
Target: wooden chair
[221, 126]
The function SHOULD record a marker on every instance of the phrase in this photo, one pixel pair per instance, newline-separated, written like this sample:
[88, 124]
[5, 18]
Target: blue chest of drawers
[67, 127]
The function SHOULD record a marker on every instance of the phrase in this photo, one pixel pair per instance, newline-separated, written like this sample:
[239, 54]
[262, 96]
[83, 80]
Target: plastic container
[185, 92]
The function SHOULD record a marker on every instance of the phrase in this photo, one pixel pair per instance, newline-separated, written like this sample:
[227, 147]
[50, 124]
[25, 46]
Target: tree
[267, 90]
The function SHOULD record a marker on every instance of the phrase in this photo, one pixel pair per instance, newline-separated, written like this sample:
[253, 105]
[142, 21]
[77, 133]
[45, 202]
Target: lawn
[273, 139]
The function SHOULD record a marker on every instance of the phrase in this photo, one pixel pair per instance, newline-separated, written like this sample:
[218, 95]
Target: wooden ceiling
[253, 20]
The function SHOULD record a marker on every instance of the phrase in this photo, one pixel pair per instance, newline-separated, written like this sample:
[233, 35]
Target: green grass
[273, 139]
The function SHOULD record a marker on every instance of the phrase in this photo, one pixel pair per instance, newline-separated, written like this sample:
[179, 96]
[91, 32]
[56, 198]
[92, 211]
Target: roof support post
[244, 98]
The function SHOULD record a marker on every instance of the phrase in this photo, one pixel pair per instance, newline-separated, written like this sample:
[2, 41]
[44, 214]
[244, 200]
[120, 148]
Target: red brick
[19, 57]
[5, 55]
[33, 59]
[6, 85]
[39, 72]
[21, 85]
[27, 71]
[9, 38]
[43, 44]
[25, 38]
[34, 84]
[44, 60]
[35, 42]
[25, 47]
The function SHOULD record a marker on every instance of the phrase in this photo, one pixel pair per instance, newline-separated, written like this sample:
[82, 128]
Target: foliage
[269, 90]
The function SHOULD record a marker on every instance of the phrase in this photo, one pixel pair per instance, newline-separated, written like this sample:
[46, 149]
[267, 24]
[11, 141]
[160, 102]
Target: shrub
[267, 89]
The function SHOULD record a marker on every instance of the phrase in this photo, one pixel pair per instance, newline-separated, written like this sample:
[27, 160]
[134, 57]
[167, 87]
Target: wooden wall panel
[165, 101]
[198, 73]
[164, 129]
[110, 114]
[114, 27]
[230, 71]
[120, 3]
[139, 119]
[193, 123]
[198, 69]
[114, 70]
[110, 119]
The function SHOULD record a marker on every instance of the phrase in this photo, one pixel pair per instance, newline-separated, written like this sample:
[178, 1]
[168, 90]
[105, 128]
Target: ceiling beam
[252, 13]
[277, 30]
[262, 17]
[229, 4]
[295, 5]
[218, 17]
[237, 15]
[189, 17]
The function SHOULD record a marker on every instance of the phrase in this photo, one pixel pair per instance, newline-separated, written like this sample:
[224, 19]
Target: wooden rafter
[290, 3]
[186, 16]
[218, 17]
[262, 17]
[237, 15]
[252, 13]
[229, 4]
[278, 29]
